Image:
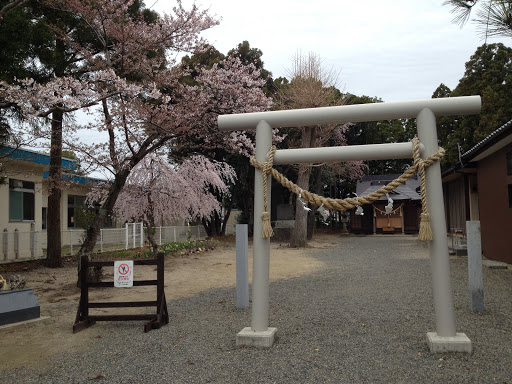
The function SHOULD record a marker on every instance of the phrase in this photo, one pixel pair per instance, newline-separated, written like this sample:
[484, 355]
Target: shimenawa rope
[419, 167]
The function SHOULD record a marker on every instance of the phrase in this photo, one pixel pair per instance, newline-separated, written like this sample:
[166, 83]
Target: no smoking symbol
[123, 269]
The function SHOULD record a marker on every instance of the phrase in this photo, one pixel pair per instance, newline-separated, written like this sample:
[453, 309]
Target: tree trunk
[314, 209]
[99, 220]
[207, 227]
[53, 225]
[299, 234]
[150, 223]
[53, 228]
[226, 218]
[211, 226]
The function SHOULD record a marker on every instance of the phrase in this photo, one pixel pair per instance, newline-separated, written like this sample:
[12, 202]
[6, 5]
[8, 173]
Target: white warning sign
[123, 273]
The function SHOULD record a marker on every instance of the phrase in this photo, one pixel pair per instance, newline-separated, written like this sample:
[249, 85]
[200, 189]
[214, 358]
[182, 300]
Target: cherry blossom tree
[120, 55]
[211, 68]
[145, 125]
[157, 192]
[125, 76]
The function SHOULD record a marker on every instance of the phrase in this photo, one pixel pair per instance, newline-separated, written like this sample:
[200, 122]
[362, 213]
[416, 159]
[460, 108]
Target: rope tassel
[425, 229]
[266, 229]
[425, 233]
[266, 170]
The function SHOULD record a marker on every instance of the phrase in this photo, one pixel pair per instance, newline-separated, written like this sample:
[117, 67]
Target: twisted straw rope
[419, 166]
[384, 212]
[266, 169]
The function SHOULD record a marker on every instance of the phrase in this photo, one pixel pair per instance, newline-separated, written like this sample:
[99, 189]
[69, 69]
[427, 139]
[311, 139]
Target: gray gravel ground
[363, 319]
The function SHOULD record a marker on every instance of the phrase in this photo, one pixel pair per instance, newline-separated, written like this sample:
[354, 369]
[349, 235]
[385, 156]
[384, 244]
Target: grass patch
[182, 248]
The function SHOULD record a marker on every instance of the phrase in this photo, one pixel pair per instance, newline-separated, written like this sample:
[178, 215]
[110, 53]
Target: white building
[24, 201]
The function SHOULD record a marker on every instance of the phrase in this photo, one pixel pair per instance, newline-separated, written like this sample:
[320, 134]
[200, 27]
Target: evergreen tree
[488, 74]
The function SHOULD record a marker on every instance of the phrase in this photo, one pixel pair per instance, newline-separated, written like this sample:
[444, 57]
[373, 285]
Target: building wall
[24, 172]
[495, 213]
[28, 245]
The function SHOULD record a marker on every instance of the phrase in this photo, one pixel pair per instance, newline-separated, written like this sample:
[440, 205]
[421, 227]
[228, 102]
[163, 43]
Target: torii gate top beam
[464, 105]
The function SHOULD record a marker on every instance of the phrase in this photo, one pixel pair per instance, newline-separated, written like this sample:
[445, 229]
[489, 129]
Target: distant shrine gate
[445, 338]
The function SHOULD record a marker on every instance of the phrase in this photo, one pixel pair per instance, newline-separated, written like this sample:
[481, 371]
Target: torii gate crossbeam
[445, 339]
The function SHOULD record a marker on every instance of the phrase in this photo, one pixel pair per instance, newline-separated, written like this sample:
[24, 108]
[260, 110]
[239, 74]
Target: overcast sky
[396, 50]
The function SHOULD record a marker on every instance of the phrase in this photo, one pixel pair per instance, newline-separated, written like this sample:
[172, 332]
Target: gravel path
[363, 319]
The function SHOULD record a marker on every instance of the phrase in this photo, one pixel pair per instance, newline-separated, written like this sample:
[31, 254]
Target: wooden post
[5, 238]
[402, 217]
[16, 243]
[32, 240]
[84, 286]
[160, 280]
[71, 243]
[374, 220]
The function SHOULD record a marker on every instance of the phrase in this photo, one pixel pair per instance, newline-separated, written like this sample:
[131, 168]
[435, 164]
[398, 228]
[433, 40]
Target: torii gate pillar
[259, 334]
[445, 339]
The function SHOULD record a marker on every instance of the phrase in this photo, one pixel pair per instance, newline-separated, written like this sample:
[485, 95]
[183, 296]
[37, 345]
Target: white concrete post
[71, 243]
[242, 266]
[36, 235]
[126, 236]
[134, 234]
[142, 234]
[445, 339]
[174, 234]
[476, 284]
[101, 240]
[259, 334]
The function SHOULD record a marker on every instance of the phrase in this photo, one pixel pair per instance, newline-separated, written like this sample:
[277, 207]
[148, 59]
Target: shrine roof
[407, 191]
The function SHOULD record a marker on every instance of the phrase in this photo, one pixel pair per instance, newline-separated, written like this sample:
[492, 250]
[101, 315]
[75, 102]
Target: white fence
[22, 246]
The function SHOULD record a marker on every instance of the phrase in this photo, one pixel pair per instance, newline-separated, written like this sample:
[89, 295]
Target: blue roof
[76, 179]
[35, 157]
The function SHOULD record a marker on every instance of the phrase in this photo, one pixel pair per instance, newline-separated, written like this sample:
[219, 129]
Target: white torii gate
[445, 339]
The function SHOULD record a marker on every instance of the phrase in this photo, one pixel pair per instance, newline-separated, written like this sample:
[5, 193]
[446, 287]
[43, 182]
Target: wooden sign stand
[84, 320]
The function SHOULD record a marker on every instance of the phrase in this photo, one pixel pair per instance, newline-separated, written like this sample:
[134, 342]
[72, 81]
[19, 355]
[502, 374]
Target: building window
[21, 200]
[74, 202]
[509, 163]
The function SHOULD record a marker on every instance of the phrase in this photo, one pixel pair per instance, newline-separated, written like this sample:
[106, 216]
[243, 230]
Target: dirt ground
[185, 275]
